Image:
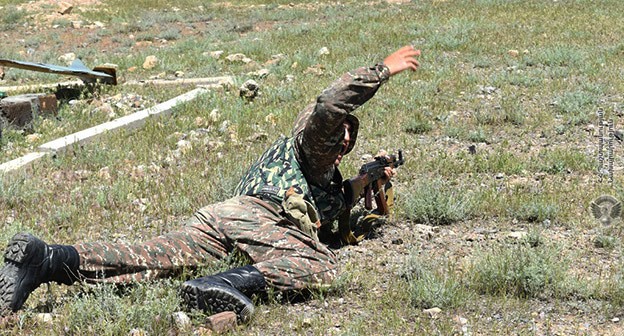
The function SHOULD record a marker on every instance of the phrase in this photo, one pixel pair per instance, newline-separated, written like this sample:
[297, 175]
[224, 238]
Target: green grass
[533, 169]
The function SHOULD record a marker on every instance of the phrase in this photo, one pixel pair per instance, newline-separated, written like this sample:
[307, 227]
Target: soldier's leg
[283, 257]
[30, 262]
[287, 257]
[196, 244]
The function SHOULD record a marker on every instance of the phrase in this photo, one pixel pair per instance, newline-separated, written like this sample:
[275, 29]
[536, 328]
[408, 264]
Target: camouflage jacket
[306, 159]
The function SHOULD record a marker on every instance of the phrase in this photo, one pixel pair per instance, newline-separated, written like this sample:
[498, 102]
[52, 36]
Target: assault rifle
[368, 183]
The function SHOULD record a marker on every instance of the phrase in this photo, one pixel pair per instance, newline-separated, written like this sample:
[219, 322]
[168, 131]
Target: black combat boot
[28, 263]
[227, 291]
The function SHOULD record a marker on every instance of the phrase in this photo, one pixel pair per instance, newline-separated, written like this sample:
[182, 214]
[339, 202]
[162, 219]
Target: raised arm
[320, 127]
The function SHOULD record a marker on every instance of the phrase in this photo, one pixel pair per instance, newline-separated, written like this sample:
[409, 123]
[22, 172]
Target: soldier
[293, 190]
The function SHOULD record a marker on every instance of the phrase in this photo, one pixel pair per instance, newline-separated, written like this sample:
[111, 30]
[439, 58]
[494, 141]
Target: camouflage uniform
[254, 222]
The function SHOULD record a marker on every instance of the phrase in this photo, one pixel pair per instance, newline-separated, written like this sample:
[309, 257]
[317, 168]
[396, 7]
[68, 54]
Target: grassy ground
[519, 80]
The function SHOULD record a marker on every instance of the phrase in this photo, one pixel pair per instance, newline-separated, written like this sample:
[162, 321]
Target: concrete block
[16, 111]
[21, 110]
[23, 161]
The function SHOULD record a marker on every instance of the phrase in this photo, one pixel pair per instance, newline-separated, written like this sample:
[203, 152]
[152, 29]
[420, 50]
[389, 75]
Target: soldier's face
[345, 143]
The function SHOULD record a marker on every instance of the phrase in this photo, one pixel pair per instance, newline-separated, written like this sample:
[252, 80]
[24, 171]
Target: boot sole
[18, 252]
[217, 299]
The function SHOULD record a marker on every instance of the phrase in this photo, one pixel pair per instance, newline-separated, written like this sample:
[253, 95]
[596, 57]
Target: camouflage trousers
[287, 257]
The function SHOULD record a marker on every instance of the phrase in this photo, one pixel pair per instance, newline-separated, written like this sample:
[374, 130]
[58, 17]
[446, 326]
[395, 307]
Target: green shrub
[433, 285]
[437, 203]
[520, 270]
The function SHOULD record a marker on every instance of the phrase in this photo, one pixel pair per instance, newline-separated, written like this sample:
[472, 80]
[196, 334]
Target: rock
[31, 138]
[517, 235]
[317, 69]
[179, 74]
[323, 51]
[460, 320]
[1, 74]
[270, 118]
[262, 73]
[45, 317]
[181, 320]
[67, 58]
[76, 24]
[249, 90]
[65, 8]
[216, 54]
[513, 53]
[472, 149]
[222, 322]
[184, 146]
[214, 115]
[150, 62]
[238, 58]
[499, 176]
[104, 173]
[488, 89]
[619, 134]
[137, 332]
[433, 312]
[257, 137]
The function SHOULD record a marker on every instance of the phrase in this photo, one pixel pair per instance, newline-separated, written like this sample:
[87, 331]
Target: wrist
[383, 71]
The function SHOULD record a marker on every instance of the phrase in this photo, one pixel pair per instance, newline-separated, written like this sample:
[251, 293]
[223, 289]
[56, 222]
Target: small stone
[181, 320]
[323, 51]
[214, 115]
[137, 332]
[256, 137]
[222, 322]
[472, 149]
[67, 58]
[249, 90]
[615, 320]
[499, 176]
[65, 8]
[150, 62]
[76, 24]
[513, 53]
[488, 89]
[236, 57]
[104, 173]
[184, 146]
[31, 138]
[216, 54]
[270, 118]
[619, 134]
[307, 322]
[45, 317]
[179, 74]
[433, 312]
[461, 320]
[517, 234]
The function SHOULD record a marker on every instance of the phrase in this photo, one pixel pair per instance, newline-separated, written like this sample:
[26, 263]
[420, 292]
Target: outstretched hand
[402, 59]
